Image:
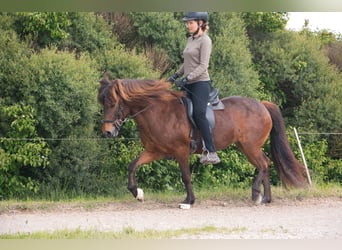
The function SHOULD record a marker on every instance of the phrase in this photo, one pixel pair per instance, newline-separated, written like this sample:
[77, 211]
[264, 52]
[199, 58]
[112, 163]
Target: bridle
[117, 123]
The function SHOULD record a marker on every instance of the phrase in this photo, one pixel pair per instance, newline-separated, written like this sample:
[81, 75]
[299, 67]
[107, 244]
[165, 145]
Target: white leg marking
[184, 206]
[258, 200]
[140, 195]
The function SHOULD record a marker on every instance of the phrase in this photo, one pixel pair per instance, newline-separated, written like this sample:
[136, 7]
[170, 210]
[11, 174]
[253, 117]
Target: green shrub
[22, 153]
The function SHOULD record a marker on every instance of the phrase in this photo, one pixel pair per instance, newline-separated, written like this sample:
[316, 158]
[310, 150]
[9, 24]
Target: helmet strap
[196, 32]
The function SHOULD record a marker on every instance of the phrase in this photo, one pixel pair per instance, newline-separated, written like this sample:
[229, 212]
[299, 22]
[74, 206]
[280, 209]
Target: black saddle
[214, 103]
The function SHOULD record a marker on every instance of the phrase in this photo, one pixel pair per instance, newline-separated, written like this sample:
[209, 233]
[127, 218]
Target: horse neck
[150, 114]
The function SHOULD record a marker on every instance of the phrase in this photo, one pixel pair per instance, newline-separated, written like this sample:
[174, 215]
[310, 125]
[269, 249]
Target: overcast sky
[317, 21]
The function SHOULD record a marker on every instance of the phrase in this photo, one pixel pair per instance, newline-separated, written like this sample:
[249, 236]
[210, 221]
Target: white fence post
[302, 154]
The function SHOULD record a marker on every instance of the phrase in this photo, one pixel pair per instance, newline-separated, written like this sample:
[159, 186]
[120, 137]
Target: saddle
[214, 103]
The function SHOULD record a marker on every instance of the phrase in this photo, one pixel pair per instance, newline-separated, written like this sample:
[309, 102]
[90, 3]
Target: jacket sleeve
[180, 71]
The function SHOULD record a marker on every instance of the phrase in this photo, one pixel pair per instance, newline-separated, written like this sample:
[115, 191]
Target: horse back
[243, 120]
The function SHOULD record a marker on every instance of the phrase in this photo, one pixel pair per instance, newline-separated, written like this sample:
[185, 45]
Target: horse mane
[137, 92]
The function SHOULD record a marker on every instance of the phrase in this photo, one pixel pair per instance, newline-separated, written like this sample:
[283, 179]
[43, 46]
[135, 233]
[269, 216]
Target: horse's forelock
[105, 90]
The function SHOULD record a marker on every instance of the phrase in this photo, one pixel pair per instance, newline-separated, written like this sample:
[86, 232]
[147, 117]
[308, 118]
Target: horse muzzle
[111, 134]
[110, 131]
[111, 128]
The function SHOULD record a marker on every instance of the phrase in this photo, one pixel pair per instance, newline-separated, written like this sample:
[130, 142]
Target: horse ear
[105, 79]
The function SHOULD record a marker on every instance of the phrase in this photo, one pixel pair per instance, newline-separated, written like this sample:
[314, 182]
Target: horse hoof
[258, 200]
[265, 200]
[184, 206]
[140, 195]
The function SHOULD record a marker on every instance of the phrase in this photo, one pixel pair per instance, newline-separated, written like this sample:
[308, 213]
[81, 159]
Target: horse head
[114, 112]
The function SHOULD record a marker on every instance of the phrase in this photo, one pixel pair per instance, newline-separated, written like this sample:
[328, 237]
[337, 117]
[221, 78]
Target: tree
[42, 28]
[264, 22]
[87, 33]
[333, 51]
[298, 76]
[231, 67]
[159, 35]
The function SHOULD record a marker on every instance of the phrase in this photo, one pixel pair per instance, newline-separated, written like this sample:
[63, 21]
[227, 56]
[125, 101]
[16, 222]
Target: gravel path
[308, 219]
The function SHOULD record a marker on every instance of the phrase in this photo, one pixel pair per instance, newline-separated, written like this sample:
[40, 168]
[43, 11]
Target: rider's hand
[181, 82]
[173, 78]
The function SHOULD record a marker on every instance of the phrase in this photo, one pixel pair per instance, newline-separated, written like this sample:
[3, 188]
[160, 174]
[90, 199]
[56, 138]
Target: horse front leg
[144, 158]
[186, 178]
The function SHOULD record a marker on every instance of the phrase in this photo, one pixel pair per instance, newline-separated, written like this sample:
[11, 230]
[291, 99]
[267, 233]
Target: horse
[165, 129]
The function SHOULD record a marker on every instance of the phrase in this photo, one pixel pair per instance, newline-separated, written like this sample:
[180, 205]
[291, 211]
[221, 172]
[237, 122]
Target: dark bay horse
[165, 131]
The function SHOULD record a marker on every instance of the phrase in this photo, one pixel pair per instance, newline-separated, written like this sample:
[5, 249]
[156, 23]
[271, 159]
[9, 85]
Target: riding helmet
[196, 16]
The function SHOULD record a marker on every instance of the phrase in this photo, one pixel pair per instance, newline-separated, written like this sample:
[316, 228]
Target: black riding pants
[199, 94]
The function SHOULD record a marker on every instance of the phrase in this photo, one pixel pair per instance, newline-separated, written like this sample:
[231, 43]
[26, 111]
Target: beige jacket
[196, 59]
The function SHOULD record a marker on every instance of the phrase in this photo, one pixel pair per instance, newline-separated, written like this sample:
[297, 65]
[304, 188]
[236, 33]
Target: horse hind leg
[262, 164]
[258, 158]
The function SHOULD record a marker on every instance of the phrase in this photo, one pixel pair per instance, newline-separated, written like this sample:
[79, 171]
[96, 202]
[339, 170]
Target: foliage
[87, 33]
[124, 64]
[64, 93]
[265, 22]
[43, 28]
[231, 66]
[322, 169]
[333, 50]
[157, 31]
[234, 171]
[300, 79]
[13, 71]
[21, 152]
[65, 100]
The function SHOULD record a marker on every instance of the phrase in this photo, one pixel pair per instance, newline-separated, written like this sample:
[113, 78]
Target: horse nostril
[108, 134]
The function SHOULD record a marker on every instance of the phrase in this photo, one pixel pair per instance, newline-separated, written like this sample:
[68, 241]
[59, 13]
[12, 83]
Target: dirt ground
[282, 219]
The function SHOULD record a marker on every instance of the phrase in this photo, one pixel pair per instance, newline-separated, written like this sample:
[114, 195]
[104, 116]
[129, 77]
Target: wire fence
[123, 139]
[67, 139]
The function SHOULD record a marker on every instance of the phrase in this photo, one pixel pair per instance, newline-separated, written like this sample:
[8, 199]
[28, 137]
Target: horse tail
[288, 168]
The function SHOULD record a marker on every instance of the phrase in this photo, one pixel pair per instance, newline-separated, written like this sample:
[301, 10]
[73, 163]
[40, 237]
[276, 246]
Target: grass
[222, 194]
[232, 195]
[126, 233]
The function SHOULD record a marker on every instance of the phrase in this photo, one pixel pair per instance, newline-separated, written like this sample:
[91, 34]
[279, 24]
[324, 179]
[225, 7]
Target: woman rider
[196, 80]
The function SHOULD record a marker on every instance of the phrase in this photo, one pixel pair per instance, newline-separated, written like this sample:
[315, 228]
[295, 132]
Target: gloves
[173, 78]
[181, 82]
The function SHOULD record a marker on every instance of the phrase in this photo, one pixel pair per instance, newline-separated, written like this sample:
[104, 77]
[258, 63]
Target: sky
[317, 21]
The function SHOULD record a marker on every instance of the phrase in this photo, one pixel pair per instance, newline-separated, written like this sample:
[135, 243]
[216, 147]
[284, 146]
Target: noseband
[117, 123]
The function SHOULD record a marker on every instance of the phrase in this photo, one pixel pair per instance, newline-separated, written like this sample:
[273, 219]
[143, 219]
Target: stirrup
[203, 156]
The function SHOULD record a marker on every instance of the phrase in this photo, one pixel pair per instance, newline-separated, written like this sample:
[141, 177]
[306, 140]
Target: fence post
[302, 154]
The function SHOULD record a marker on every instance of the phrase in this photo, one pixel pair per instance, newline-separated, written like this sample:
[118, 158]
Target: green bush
[42, 28]
[87, 33]
[234, 171]
[65, 101]
[124, 64]
[14, 70]
[22, 153]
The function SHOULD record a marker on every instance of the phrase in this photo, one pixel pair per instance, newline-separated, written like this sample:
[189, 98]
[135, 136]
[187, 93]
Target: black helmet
[196, 16]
